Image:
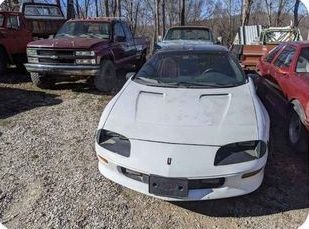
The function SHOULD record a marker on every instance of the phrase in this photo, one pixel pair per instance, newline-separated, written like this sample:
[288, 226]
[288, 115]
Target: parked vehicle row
[287, 67]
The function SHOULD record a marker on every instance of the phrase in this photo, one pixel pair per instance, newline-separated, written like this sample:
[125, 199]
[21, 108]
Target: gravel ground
[49, 176]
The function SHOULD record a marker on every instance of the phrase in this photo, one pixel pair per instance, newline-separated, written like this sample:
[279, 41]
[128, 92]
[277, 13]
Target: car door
[299, 80]
[282, 67]
[119, 43]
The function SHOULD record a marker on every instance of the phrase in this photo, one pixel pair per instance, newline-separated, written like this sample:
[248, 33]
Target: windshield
[1, 20]
[191, 69]
[99, 30]
[188, 34]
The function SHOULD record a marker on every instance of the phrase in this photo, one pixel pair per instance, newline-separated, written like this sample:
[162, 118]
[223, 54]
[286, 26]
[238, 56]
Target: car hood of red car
[67, 43]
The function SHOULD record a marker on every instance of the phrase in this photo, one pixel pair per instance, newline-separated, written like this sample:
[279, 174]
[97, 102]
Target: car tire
[106, 80]
[3, 63]
[41, 81]
[296, 133]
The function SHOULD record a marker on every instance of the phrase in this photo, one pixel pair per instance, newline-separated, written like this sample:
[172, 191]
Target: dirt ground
[49, 176]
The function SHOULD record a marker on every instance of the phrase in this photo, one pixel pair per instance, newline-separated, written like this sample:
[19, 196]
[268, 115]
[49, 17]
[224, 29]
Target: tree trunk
[296, 6]
[96, 8]
[106, 8]
[279, 12]
[156, 10]
[182, 11]
[246, 9]
[158, 17]
[117, 8]
[70, 9]
[163, 17]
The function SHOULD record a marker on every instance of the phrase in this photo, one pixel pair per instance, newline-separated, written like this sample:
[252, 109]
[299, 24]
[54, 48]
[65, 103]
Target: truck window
[1, 20]
[39, 10]
[303, 61]
[188, 34]
[13, 22]
[127, 31]
[118, 30]
[285, 58]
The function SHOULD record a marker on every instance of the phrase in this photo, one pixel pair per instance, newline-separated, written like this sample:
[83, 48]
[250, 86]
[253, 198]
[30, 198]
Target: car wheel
[3, 62]
[41, 81]
[106, 80]
[297, 134]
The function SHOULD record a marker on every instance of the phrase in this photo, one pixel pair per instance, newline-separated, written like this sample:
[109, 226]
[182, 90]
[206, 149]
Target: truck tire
[3, 63]
[106, 80]
[296, 134]
[41, 81]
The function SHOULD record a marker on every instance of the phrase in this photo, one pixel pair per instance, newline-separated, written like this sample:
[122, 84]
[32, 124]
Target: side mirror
[160, 38]
[120, 38]
[129, 75]
[219, 41]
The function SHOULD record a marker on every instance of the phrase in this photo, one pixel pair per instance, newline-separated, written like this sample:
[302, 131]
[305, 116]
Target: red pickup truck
[85, 48]
[17, 29]
[287, 68]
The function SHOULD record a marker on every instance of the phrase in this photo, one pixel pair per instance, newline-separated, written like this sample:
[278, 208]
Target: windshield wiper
[194, 84]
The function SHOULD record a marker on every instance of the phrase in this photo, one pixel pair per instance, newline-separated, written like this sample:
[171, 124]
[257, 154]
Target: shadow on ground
[285, 186]
[13, 76]
[14, 101]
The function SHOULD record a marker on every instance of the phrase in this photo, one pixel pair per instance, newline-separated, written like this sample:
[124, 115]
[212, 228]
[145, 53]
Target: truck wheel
[297, 134]
[3, 63]
[106, 80]
[40, 81]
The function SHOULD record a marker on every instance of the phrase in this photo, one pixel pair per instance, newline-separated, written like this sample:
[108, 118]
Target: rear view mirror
[129, 75]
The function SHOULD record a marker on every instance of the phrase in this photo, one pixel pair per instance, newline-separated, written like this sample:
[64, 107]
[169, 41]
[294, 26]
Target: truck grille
[49, 56]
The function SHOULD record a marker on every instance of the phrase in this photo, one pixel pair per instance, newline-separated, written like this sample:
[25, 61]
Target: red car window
[303, 61]
[269, 58]
[285, 58]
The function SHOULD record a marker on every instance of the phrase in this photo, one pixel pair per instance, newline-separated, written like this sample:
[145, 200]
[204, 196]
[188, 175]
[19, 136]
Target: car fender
[109, 107]
[262, 117]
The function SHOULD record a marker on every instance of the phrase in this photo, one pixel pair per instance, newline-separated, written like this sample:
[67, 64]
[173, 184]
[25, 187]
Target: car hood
[67, 43]
[183, 115]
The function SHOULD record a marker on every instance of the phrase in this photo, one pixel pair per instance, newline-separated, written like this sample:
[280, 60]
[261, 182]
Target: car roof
[194, 48]
[97, 19]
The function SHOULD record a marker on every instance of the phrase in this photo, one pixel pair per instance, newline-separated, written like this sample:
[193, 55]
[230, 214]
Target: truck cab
[33, 21]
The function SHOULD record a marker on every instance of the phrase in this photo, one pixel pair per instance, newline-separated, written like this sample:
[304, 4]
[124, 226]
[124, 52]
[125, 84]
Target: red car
[287, 68]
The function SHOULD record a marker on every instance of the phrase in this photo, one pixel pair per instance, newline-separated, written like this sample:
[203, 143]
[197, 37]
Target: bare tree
[269, 11]
[296, 7]
[163, 18]
[117, 8]
[106, 5]
[96, 8]
[70, 9]
[246, 9]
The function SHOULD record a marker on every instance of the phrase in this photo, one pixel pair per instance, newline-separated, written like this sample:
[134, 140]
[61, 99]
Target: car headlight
[31, 52]
[240, 152]
[113, 142]
[84, 53]
[33, 60]
[86, 61]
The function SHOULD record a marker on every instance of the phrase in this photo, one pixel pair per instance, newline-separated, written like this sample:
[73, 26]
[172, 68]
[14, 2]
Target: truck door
[18, 34]
[130, 49]
[119, 43]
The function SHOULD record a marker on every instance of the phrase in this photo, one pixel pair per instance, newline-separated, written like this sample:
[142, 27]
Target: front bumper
[68, 70]
[186, 164]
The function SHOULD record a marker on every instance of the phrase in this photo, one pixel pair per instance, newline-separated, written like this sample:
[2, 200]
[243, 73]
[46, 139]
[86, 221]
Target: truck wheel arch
[3, 49]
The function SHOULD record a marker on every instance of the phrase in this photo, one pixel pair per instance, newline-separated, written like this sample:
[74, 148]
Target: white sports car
[187, 126]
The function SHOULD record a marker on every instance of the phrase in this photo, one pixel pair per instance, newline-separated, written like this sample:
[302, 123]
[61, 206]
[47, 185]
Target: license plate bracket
[168, 187]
